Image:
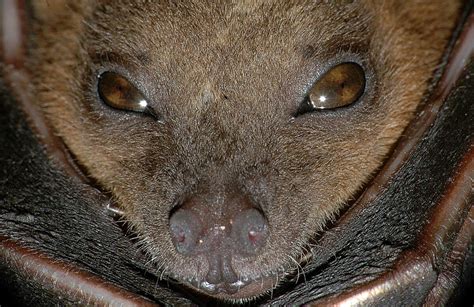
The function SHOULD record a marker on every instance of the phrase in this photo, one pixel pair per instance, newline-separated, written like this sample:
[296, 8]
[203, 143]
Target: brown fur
[227, 77]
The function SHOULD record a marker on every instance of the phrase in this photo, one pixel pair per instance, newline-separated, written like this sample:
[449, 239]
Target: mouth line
[248, 288]
[243, 289]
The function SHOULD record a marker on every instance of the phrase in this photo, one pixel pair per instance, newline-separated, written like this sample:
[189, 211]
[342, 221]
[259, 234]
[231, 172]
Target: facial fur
[226, 78]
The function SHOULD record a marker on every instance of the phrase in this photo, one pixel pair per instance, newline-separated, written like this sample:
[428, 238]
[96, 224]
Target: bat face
[231, 133]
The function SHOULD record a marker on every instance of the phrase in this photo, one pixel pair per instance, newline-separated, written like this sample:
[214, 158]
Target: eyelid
[340, 86]
[118, 92]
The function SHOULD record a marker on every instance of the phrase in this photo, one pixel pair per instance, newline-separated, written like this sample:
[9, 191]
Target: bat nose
[233, 227]
[185, 227]
[248, 231]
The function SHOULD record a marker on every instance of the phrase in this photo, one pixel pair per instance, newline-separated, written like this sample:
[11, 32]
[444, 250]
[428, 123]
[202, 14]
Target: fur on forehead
[206, 25]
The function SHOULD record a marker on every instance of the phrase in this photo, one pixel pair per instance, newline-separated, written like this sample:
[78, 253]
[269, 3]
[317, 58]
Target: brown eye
[119, 93]
[342, 85]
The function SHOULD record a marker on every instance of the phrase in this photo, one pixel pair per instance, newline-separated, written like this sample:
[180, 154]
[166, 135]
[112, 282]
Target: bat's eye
[119, 93]
[342, 85]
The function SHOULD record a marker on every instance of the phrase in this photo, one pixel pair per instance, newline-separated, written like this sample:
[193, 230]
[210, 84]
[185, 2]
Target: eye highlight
[117, 92]
[342, 85]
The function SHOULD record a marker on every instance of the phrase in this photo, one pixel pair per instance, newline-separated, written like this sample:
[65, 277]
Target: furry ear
[12, 34]
[17, 43]
[15, 27]
[47, 11]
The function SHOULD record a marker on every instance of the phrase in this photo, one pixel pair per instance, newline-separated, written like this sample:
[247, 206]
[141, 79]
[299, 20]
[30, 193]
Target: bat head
[230, 134]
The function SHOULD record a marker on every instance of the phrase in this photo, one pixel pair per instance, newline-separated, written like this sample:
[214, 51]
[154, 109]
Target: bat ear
[16, 26]
[13, 34]
[21, 25]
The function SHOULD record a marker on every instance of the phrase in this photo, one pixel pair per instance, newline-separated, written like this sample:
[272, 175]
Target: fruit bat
[173, 185]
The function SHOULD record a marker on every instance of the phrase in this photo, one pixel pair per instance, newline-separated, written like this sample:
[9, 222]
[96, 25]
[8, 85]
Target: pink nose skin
[185, 228]
[220, 230]
[249, 231]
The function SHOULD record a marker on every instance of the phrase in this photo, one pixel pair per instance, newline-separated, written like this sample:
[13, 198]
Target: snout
[221, 226]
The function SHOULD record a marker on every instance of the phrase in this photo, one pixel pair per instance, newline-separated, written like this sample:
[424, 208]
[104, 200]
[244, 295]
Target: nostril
[184, 227]
[250, 231]
[254, 236]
